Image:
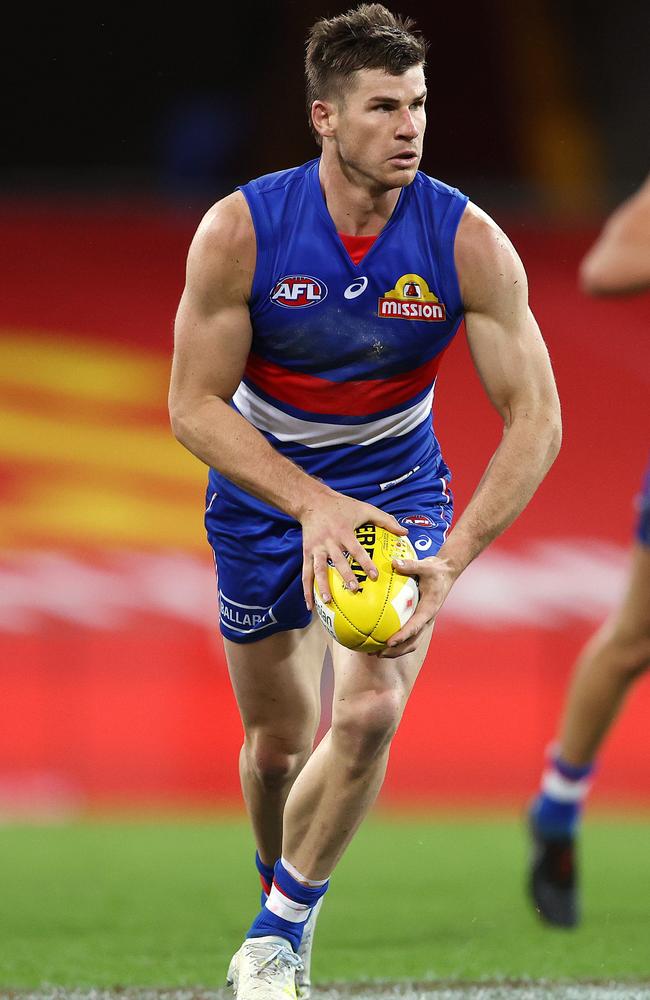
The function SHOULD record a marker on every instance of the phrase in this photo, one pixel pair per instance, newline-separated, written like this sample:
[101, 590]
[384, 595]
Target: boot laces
[266, 960]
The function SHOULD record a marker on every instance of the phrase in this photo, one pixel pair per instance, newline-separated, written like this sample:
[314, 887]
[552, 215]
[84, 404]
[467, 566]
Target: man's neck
[355, 207]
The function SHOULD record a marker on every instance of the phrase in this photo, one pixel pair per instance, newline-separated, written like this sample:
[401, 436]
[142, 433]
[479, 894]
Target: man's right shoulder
[279, 179]
[227, 224]
[222, 254]
[230, 218]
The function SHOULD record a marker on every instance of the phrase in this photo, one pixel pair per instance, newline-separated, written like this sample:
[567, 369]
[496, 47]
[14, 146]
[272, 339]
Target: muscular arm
[514, 367]
[513, 364]
[619, 261]
[212, 342]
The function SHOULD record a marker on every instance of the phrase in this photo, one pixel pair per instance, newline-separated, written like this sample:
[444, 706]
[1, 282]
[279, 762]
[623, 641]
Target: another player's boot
[264, 968]
[554, 819]
[553, 877]
[303, 975]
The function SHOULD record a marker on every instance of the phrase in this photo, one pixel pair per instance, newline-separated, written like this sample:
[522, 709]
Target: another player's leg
[277, 684]
[612, 660]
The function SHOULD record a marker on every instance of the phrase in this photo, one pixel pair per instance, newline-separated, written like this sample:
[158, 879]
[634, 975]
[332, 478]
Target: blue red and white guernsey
[344, 357]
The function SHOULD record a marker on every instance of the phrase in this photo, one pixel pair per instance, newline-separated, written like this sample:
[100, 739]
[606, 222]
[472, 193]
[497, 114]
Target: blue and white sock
[288, 906]
[557, 809]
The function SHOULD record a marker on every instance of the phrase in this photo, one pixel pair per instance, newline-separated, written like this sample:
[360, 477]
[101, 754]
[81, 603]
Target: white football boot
[264, 968]
[303, 975]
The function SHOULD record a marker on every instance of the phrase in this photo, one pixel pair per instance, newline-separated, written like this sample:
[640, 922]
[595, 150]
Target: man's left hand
[435, 577]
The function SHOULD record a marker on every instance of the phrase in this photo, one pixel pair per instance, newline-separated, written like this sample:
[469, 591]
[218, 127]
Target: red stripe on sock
[283, 893]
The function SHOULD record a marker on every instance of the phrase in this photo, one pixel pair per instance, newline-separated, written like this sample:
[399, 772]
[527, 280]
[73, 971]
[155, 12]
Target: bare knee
[627, 650]
[275, 761]
[364, 725]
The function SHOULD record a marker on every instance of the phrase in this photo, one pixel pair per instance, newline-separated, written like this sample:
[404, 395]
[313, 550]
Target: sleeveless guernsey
[344, 357]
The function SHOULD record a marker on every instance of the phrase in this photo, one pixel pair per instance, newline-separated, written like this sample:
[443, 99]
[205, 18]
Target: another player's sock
[287, 908]
[556, 810]
[266, 877]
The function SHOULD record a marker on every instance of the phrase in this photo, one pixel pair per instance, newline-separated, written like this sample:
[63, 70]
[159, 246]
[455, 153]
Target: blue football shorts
[258, 553]
[643, 504]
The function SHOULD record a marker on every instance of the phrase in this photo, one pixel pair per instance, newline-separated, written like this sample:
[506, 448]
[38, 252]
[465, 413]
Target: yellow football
[366, 619]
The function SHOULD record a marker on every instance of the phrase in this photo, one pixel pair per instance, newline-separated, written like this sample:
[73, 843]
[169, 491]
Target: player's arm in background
[619, 261]
[212, 341]
[513, 364]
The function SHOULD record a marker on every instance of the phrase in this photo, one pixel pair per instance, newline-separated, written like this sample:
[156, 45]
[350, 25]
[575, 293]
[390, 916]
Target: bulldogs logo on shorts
[421, 542]
[418, 521]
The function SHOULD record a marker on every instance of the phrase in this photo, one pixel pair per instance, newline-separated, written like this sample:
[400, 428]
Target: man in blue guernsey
[318, 305]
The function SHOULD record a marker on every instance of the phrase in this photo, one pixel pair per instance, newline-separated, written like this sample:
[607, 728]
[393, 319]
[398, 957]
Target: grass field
[102, 905]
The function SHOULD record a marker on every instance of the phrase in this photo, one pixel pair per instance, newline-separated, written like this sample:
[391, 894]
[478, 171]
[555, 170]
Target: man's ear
[323, 116]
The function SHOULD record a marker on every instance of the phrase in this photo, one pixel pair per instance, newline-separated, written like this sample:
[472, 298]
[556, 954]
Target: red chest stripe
[353, 399]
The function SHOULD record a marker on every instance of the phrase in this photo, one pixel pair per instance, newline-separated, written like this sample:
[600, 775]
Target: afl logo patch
[419, 520]
[298, 291]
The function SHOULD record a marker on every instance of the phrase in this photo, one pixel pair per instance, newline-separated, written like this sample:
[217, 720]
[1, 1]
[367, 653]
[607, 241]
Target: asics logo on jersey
[298, 291]
[411, 298]
[356, 288]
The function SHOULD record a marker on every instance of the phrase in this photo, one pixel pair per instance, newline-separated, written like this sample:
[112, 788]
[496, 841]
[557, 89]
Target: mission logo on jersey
[411, 298]
[297, 291]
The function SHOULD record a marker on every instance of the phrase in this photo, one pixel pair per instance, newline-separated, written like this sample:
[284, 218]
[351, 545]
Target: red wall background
[116, 691]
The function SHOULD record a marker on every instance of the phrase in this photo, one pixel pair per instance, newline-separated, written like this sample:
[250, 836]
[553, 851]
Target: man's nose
[407, 129]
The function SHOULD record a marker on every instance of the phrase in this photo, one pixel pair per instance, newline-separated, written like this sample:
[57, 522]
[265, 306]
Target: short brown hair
[368, 37]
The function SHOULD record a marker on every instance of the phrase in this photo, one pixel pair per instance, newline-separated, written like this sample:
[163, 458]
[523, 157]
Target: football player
[318, 304]
[617, 264]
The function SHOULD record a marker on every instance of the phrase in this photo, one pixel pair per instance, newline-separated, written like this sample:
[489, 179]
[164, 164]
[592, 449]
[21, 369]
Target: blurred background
[120, 128]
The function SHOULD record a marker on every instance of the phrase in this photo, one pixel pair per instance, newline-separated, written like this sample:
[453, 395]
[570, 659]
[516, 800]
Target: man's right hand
[328, 525]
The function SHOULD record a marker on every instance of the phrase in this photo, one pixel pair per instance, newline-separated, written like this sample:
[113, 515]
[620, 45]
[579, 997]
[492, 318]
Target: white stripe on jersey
[285, 427]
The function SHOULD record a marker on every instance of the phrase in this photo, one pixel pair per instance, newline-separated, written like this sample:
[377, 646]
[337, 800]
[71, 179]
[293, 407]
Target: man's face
[379, 125]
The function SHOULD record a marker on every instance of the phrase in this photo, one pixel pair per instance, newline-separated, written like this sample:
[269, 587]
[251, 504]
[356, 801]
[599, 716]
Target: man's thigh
[258, 558]
[632, 621]
[275, 658]
[357, 674]
[276, 681]
[273, 649]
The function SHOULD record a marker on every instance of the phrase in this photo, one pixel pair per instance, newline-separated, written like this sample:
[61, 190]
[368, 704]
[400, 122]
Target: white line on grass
[372, 991]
